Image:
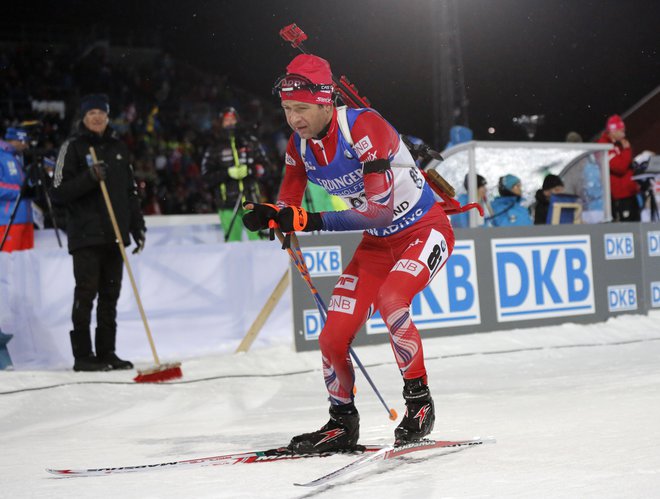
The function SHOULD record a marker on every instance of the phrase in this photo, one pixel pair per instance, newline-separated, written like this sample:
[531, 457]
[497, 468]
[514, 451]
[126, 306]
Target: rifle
[350, 96]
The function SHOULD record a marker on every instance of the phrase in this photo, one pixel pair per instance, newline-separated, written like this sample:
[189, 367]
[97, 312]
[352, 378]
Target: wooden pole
[258, 323]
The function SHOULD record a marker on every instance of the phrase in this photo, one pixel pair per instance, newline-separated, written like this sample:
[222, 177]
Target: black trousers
[626, 210]
[98, 272]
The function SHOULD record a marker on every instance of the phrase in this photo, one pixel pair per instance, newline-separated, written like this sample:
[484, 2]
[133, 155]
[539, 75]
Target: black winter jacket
[541, 209]
[88, 222]
[218, 161]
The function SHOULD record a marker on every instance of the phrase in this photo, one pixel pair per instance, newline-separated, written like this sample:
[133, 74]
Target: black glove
[99, 171]
[260, 216]
[296, 218]
[140, 238]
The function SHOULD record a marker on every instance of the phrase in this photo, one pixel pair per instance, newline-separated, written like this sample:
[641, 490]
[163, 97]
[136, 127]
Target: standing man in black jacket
[97, 261]
[233, 167]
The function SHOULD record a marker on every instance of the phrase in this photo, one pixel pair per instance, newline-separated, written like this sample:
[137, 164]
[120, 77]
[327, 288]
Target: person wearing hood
[13, 182]
[625, 206]
[507, 208]
[233, 166]
[97, 260]
[552, 184]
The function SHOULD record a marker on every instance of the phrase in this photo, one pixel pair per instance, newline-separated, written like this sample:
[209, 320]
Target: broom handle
[120, 242]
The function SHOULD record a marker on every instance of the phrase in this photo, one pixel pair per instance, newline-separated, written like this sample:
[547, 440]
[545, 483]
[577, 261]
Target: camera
[646, 171]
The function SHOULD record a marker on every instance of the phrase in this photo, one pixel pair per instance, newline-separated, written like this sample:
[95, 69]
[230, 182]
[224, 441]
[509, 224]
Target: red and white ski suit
[407, 238]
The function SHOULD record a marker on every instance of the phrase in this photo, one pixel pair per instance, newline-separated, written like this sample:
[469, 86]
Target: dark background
[576, 61]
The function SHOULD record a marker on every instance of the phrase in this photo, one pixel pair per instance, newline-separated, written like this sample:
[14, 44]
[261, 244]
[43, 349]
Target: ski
[391, 452]
[279, 454]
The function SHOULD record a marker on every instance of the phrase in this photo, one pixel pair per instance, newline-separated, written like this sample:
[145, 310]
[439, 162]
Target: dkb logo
[540, 277]
[312, 323]
[323, 260]
[655, 294]
[654, 243]
[619, 246]
[622, 297]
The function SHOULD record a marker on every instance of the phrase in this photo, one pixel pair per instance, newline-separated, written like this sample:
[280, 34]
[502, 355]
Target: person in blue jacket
[507, 208]
[12, 183]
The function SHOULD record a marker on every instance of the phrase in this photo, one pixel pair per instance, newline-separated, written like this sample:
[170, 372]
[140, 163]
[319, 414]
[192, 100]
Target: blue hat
[94, 101]
[509, 181]
[14, 133]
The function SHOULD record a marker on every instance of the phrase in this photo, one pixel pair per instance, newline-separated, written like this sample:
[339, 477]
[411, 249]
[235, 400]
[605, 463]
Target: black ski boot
[420, 414]
[85, 360]
[340, 434]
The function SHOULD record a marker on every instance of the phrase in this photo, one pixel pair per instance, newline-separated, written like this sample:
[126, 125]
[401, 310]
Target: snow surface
[575, 410]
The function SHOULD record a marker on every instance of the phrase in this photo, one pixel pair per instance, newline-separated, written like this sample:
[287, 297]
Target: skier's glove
[296, 218]
[260, 215]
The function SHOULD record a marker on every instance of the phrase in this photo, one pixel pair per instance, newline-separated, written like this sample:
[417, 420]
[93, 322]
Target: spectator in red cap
[625, 206]
[407, 239]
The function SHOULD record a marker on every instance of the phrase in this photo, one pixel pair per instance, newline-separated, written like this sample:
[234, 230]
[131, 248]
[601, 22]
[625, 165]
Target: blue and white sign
[452, 298]
[655, 294]
[619, 246]
[323, 260]
[312, 323]
[653, 239]
[541, 277]
[622, 297]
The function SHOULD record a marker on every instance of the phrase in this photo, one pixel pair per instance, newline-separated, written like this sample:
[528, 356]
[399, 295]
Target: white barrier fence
[200, 296]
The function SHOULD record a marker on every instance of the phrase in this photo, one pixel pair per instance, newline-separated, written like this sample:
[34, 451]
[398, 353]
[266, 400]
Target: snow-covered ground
[575, 410]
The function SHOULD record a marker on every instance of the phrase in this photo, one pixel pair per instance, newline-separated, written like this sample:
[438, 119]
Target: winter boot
[340, 434]
[105, 349]
[90, 363]
[115, 362]
[85, 360]
[420, 414]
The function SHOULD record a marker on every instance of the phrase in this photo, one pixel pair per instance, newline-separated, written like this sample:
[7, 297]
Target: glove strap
[299, 218]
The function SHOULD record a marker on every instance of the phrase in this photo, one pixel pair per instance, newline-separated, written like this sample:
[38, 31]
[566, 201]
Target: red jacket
[621, 183]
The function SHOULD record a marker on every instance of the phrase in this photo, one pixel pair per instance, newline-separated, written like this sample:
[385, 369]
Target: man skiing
[407, 240]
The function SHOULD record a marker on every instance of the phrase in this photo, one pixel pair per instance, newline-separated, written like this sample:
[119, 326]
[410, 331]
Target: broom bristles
[159, 373]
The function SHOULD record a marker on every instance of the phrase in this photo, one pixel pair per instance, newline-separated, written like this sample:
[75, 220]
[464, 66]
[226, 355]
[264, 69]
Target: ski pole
[12, 216]
[235, 214]
[298, 260]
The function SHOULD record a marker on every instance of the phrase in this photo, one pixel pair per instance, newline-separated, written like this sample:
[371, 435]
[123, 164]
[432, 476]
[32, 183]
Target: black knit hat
[480, 181]
[94, 101]
[551, 181]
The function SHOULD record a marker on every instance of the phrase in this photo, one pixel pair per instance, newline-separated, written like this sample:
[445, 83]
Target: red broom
[160, 372]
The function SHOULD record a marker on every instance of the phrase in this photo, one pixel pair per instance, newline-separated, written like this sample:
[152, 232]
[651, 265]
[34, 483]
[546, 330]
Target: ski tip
[59, 472]
[487, 440]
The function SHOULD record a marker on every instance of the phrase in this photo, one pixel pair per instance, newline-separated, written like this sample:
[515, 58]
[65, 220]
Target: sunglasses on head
[293, 82]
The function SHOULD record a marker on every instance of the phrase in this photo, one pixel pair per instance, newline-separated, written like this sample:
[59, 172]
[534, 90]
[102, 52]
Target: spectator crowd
[169, 114]
[164, 110]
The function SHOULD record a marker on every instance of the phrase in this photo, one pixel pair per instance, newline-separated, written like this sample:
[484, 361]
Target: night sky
[574, 61]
